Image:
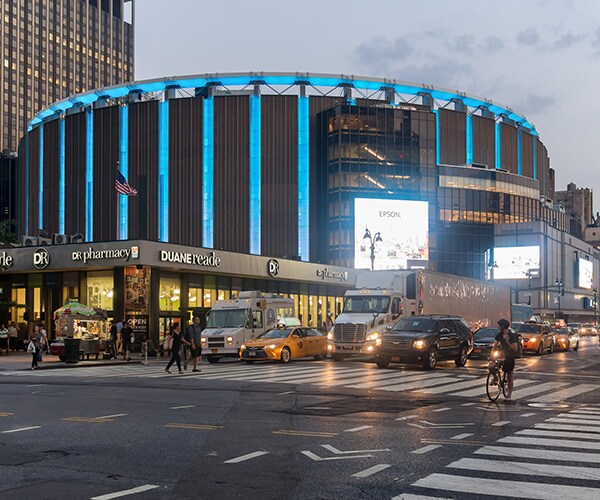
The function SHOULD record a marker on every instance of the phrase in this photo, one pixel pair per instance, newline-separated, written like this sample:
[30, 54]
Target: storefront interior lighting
[370, 179]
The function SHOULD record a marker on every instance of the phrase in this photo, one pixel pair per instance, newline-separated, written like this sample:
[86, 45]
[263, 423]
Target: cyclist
[508, 342]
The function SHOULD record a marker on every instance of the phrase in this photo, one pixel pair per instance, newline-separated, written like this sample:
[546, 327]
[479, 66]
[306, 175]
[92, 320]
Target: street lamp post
[595, 295]
[372, 241]
[559, 288]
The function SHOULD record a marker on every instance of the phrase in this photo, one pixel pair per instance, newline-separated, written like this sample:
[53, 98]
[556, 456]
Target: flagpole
[118, 207]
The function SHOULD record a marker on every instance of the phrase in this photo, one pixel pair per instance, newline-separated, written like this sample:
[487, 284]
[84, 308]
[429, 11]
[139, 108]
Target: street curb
[84, 364]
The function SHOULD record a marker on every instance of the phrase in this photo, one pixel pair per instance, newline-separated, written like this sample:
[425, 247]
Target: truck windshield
[227, 318]
[370, 304]
[415, 325]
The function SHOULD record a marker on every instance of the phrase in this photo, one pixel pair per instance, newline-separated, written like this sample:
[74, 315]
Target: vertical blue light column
[41, 180]
[469, 136]
[534, 156]
[303, 177]
[498, 144]
[255, 173]
[89, 176]
[208, 165]
[25, 230]
[437, 136]
[61, 175]
[163, 170]
[124, 166]
[519, 164]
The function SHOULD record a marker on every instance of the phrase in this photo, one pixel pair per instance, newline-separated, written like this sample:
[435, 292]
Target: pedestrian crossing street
[452, 382]
[555, 460]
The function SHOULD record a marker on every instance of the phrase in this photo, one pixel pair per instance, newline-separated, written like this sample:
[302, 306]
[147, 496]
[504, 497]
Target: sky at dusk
[539, 57]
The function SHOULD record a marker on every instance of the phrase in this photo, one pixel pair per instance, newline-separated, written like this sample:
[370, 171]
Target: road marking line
[462, 436]
[132, 491]
[426, 449]
[441, 409]
[402, 377]
[361, 428]
[453, 424]
[558, 443]
[92, 420]
[446, 441]
[317, 458]
[567, 393]
[285, 393]
[468, 404]
[480, 391]
[561, 456]
[576, 435]
[527, 415]
[6, 414]
[200, 427]
[317, 408]
[537, 388]
[416, 385]
[367, 377]
[305, 433]
[563, 427]
[501, 423]
[528, 469]
[371, 470]
[408, 417]
[309, 376]
[114, 416]
[22, 429]
[453, 387]
[36, 385]
[593, 423]
[339, 452]
[410, 496]
[484, 486]
[582, 414]
[243, 458]
[593, 418]
[181, 407]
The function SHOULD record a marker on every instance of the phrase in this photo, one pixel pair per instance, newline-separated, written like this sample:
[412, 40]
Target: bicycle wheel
[492, 390]
[504, 383]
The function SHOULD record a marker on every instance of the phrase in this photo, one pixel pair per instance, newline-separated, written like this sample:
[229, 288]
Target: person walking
[3, 338]
[193, 335]
[177, 340]
[113, 339]
[13, 336]
[34, 347]
[126, 333]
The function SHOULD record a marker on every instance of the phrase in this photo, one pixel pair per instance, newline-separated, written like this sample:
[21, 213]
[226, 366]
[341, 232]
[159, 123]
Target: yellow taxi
[285, 342]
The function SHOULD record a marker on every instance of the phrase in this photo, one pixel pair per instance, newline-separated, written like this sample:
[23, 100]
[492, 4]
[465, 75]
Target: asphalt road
[306, 430]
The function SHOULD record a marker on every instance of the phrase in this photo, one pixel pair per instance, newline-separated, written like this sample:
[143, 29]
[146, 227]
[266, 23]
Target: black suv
[425, 340]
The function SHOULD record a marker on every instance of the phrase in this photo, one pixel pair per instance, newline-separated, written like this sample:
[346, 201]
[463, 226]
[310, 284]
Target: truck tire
[212, 359]
[339, 357]
[461, 360]
[382, 362]
[430, 362]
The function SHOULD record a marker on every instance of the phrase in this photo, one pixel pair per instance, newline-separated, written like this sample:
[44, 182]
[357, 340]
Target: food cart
[78, 321]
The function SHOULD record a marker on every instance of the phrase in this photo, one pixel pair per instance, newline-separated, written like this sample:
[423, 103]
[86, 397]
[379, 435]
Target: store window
[195, 297]
[170, 294]
[100, 289]
[18, 296]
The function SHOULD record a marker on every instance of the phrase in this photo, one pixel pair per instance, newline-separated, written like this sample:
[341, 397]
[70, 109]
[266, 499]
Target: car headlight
[419, 344]
[330, 347]
[373, 336]
[271, 346]
[563, 339]
[330, 336]
[230, 340]
[377, 341]
[203, 340]
[242, 347]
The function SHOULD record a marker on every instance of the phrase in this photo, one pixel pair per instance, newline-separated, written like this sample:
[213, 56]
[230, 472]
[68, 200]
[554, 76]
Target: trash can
[72, 350]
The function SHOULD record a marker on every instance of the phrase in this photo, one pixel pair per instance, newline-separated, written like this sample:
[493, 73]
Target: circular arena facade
[278, 164]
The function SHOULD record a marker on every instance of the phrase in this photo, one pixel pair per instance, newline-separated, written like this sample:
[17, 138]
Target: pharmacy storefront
[155, 284]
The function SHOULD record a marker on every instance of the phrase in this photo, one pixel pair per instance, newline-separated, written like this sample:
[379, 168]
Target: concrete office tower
[52, 49]
[578, 203]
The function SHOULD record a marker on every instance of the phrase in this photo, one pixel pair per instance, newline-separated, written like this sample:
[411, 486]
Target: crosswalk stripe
[565, 434]
[585, 413]
[371, 377]
[574, 421]
[565, 427]
[571, 414]
[566, 393]
[404, 376]
[480, 391]
[403, 386]
[534, 453]
[283, 377]
[410, 496]
[527, 469]
[556, 443]
[536, 389]
[308, 377]
[503, 487]
[256, 371]
[452, 387]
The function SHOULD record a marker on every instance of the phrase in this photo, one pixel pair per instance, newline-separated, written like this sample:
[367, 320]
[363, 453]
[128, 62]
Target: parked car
[588, 329]
[566, 339]
[284, 344]
[537, 337]
[425, 340]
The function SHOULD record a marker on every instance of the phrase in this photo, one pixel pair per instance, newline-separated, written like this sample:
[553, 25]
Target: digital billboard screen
[403, 227]
[515, 263]
[585, 270]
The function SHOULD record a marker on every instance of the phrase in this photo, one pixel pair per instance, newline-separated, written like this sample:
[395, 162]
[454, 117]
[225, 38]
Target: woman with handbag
[34, 347]
[177, 340]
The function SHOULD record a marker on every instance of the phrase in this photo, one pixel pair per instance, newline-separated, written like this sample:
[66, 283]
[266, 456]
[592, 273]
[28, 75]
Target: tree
[7, 235]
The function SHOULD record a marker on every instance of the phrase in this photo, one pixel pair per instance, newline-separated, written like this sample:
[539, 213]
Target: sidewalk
[22, 361]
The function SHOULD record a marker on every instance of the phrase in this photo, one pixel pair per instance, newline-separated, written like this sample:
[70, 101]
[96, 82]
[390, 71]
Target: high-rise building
[52, 49]
[578, 203]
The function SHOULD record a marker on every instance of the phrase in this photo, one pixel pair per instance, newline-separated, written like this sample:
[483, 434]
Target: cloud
[463, 44]
[441, 72]
[492, 44]
[596, 42]
[379, 53]
[529, 37]
[566, 41]
[535, 104]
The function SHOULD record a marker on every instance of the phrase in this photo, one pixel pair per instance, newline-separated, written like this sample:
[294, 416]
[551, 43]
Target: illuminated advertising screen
[586, 274]
[516, 263]
[399, 232]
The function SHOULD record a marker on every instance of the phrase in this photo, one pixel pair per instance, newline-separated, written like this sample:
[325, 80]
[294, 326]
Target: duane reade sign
[114, 253]
[193, 259]
[6, 260]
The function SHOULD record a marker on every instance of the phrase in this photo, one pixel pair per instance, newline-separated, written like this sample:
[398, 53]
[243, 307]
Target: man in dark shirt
[194, 337]
[113, 339]
[126, 332]
[508, 342]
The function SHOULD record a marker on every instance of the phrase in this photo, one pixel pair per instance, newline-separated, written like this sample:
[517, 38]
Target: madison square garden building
[287, 166]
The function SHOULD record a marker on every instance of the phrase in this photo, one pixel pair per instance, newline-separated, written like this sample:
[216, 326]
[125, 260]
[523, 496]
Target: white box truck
[231, 323]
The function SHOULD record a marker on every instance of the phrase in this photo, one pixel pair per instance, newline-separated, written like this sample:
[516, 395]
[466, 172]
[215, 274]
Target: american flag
[122, 186]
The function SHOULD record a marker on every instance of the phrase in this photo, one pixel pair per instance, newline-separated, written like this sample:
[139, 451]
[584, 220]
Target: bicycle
[494, 389]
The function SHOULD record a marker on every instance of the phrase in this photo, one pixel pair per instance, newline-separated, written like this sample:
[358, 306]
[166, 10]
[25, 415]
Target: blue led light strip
[61, 176]
[255, 174]
[498, 144]
[89, 176]
[469, 135]
[534, 141]
[163, 170]
[41, 181]
[124, 167]
[519, 164]
[25, 230]
[303, 177]
[208, 150]
[437, 136]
